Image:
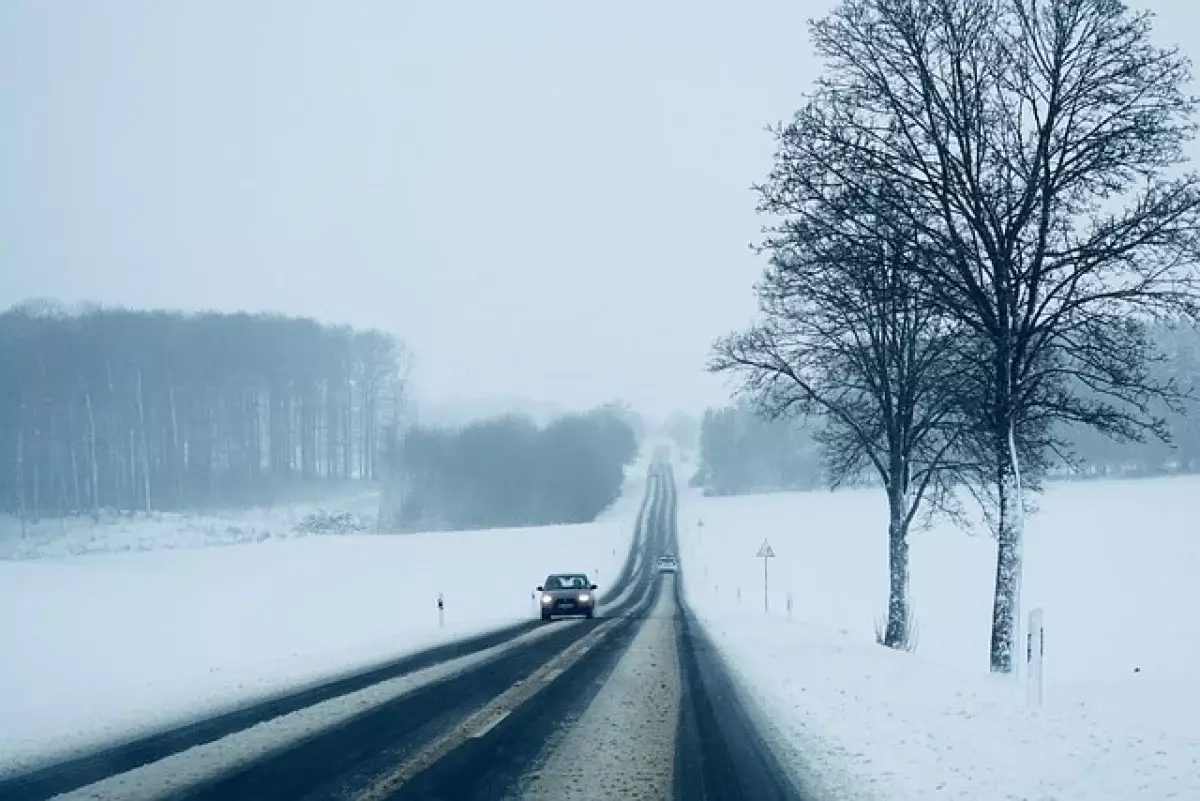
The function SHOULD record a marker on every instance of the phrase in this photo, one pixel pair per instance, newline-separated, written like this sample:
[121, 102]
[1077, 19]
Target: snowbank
[1111, 563]
[123, 533]
[103, 646]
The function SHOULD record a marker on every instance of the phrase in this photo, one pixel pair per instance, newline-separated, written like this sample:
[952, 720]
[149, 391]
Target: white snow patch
[1112, 563]
[130, 532]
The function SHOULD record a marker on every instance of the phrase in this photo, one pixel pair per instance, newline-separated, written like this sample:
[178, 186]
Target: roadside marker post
[441, 611]
[1035, 651]
[789, 605]
[766, 552]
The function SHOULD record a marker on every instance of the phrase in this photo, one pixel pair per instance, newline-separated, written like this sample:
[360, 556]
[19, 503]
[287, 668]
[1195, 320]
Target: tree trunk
[19, 469]
[71, 453]
[348, 433]
[37, 488]
[95, 476]
[331, 429]
[177, 461]
[254, 439]
[141, 408]
[897, 631]
[1006, 607]
[133, 470]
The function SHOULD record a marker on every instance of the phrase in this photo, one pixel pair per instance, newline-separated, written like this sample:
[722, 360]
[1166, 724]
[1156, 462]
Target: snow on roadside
[870, 723]
[103, 647]
[123, 533]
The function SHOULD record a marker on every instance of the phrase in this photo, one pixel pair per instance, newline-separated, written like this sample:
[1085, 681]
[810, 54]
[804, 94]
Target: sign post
[441, 611]
[765, 552]
[1035, 649]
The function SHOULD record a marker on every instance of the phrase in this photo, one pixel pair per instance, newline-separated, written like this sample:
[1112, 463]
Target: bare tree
[1036, 146]
[849, 337]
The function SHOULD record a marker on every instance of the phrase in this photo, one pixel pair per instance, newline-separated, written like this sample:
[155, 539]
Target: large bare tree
[848, 336]
[1037, 146]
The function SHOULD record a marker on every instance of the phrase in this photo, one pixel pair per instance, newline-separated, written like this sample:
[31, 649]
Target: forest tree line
[507, 471]
[743, 451]
[107, 408]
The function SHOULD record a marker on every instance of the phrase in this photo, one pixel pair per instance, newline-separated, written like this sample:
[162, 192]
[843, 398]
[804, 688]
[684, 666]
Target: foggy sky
[545, 199]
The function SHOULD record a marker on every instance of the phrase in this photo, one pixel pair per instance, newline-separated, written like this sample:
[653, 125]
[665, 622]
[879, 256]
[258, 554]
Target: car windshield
[571, 582]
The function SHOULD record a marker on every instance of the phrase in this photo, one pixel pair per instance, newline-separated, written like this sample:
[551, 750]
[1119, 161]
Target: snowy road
[633, 704]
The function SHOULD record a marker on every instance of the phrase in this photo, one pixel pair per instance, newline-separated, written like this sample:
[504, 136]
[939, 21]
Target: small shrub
[322, 522]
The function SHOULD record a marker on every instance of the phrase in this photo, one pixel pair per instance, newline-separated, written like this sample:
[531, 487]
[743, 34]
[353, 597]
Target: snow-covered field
[105, 645]
[1113, 565]
[123, 533]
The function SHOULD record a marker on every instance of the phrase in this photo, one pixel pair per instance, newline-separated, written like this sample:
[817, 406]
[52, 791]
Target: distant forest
[741, 452]
[134, 410]
[508, 471]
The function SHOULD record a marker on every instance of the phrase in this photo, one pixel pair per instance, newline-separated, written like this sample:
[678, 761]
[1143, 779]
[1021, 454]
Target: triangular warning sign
[765, 550]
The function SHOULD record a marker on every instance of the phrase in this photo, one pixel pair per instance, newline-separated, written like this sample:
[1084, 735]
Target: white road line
[483, 730]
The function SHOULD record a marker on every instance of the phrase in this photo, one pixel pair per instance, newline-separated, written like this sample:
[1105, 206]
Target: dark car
[568, 595]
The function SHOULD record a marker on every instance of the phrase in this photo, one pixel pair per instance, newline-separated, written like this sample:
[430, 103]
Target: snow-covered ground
[1113, 565]
[106, 645]
[122, 533]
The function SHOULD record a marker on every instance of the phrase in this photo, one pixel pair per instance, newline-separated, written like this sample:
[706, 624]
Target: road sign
[765, 552]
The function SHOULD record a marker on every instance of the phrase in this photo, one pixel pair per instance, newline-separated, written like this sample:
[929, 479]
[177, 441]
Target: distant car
[568, 595]
[668, 564]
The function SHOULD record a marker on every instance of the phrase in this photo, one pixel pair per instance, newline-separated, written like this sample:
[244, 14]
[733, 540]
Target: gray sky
[544, 198]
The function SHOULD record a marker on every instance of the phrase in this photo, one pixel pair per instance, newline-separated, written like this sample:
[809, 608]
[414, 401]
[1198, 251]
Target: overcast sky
[547, 199]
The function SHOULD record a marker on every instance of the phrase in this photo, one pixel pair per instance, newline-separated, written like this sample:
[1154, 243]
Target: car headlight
[547, 598]
[584, 598]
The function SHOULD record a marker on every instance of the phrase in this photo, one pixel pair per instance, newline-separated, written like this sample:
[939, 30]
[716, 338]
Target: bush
[321, 522]
[507, 471]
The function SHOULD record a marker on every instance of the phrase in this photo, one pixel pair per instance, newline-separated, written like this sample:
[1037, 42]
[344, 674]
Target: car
[567, 595]
[667, 563]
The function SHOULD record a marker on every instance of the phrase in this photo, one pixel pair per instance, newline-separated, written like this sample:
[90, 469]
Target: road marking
[483, 720]
[483, 730]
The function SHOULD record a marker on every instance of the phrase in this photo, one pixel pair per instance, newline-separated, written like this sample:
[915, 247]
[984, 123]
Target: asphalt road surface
[632, 704]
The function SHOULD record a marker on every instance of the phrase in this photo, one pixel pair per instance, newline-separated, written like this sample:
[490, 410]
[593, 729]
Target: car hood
[566, 593]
